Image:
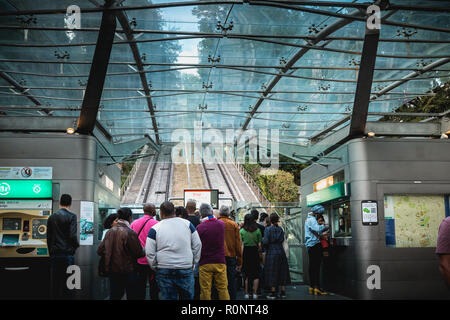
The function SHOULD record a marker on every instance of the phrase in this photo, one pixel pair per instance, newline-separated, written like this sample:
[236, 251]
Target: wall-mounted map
[413, 220]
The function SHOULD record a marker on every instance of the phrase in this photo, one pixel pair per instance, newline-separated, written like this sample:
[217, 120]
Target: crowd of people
[195, 254]
[191, 254]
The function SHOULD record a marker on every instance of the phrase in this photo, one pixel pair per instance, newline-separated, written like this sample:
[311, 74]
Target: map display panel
[412, 221]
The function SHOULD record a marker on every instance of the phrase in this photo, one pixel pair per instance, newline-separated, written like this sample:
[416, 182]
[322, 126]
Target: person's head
[205, 210]
[191, 205]
[224, 211]
[197, 213]
[267, 222]
[320, 220]
[263, 216]
[233, 215]
[249, 223]
[181, 212]
[65, 201]
[317, 209]
[150, 209]
[110, 221]
[167, 210]
[274, 219]
[125, 214]
[255, 214]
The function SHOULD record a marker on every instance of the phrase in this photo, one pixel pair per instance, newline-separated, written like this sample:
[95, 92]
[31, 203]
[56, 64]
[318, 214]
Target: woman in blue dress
[276, 269]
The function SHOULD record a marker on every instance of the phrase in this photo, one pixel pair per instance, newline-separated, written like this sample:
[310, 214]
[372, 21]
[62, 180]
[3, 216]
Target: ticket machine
[25, 206]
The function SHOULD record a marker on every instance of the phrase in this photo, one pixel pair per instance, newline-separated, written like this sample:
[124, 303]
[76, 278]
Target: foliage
[128, 163]
[437, 103]
[278, 185]
[286, 164]
[253, 170]
[126, 169]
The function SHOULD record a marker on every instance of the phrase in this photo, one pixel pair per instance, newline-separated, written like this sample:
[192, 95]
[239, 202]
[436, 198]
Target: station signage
[210, 196]
[369, 212]
[25, 189]
[336, 191]
[8, 204]
[26, 173]
[323, 184]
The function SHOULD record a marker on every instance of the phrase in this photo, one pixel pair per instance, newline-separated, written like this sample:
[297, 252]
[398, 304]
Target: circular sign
[42, 229]
[4, 188]
[36, 188]
[26, 172]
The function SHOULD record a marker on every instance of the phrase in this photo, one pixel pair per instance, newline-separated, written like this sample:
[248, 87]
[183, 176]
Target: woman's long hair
[249, 223]
[274, 219]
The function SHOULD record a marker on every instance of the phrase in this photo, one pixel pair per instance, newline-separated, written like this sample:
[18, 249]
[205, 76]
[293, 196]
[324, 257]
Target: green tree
[278, 185]
[437, 103]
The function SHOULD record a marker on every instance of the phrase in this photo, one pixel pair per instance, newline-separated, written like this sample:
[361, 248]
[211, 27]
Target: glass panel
[342, 226]
[412, 220]
[215, 63]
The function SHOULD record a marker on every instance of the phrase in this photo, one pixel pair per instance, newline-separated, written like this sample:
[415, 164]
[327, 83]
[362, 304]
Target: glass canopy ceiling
[286, 65]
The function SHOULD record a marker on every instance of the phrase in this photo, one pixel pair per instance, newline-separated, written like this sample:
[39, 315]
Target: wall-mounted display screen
[12, 224]
[412, 220]
[210, 196]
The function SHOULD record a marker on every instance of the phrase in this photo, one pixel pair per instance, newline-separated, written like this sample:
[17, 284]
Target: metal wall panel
[74, 159]
[388, 166]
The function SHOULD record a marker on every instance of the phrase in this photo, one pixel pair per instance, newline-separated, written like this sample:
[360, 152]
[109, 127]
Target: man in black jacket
[62, 241]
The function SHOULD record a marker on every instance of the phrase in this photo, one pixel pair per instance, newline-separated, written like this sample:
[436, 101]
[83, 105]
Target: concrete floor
[296, 292]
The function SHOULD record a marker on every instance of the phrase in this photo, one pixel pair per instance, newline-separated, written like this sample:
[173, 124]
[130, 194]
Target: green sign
[332, 192]
[25, 189]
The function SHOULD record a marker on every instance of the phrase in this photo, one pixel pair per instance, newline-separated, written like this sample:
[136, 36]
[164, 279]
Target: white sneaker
[246, 296]
[255, 296]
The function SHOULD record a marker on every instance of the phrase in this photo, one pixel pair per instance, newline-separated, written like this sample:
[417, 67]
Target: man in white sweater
[172, 249]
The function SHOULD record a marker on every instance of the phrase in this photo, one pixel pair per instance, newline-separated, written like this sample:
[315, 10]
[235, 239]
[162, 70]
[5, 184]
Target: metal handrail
[132, 173]
[261, 197]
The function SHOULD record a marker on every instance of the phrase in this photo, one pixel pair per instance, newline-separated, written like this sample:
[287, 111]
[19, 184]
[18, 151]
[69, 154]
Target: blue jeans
[58, 267]
[175, 284]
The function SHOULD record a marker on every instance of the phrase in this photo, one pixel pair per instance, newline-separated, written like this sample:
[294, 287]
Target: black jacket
[62, 233]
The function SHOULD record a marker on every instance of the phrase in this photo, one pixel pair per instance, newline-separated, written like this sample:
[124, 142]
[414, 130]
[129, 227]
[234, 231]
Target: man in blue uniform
[313, 230]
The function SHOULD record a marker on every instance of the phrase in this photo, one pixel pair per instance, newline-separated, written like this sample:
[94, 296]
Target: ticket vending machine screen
[11, 223]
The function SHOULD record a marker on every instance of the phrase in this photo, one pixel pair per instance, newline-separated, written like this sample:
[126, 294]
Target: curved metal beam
[361, 6]
[97, 73]
[123, 20]
[23, 91]
[375, 96]
[235, 35]
[411, 76]
[320, 36]
[255, 3]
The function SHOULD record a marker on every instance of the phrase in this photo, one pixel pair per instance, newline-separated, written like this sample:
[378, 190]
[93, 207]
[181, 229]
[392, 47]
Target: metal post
[94, 87]
[364, 85]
